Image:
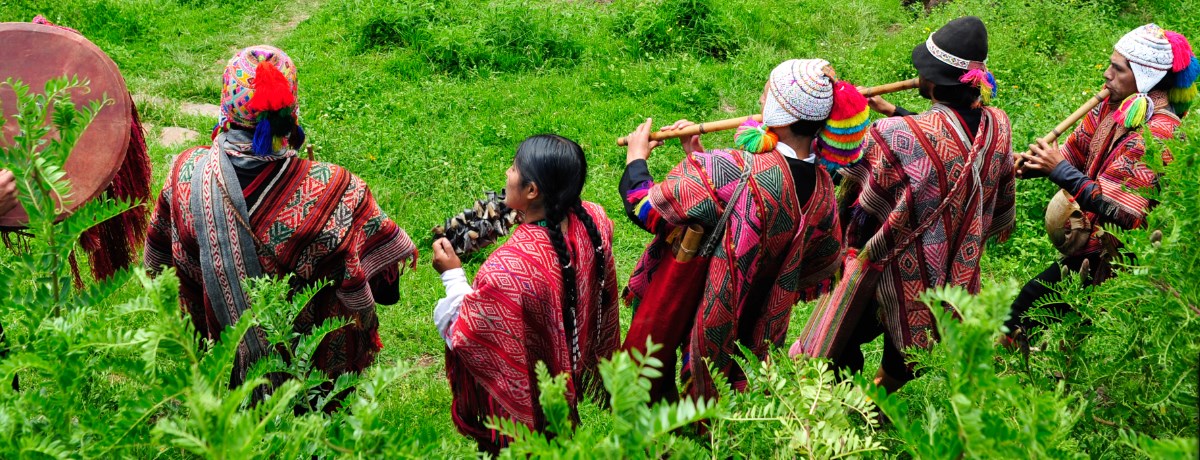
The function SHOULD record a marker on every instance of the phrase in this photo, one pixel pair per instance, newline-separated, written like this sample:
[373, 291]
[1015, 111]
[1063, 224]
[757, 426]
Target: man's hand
[1039, 160]
[444, 257]
[8, 191]
[879, 104]
[639, 144]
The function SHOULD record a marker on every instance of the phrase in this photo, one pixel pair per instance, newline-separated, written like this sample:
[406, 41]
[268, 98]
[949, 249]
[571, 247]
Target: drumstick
[731, 123]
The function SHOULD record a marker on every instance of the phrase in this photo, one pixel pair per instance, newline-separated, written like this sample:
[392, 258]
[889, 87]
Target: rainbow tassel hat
[839, 143]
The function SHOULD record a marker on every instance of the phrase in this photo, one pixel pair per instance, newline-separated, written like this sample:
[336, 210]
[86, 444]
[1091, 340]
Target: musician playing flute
[1151, 82]
[249, 206]
[933, 187]
[782, 240]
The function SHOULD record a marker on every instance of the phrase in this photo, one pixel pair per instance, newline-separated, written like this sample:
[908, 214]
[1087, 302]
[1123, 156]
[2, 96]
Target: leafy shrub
[633, 429]
[969, 410]
[1130, 347]
[101, 378]
[654, 28]
[794, 409]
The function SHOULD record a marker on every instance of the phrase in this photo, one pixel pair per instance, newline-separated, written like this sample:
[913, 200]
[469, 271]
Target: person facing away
[247, 206]
[782, 241]
[1151, 79]
[946, 176]
[548, 294]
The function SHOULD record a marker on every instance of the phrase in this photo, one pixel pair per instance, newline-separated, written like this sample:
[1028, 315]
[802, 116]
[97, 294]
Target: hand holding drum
[732, 123]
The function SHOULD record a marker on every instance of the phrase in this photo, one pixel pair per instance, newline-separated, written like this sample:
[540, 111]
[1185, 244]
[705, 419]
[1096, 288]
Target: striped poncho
[313, 220]
[1104, 169]
[912, 164]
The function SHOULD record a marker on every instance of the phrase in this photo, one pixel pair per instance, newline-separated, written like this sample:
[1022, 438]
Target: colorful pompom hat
[1156, 55]
[259, 91]
[808, 89]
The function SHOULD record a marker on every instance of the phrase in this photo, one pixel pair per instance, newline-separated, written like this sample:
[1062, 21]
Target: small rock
[204, 110]
[173, 135]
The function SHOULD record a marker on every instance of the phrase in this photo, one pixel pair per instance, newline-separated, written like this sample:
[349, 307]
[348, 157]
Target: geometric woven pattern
[1111, 156]
[514, 319]
[759, 270]
[314, 218]
[908, 174]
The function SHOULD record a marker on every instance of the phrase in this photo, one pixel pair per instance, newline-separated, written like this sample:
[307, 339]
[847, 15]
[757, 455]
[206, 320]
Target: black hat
[950, 52]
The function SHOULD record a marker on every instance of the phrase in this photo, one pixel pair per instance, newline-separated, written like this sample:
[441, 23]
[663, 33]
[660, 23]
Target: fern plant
[1129, 347]
[109, 374]
[969, 409]
[633, 428]
[794, 408]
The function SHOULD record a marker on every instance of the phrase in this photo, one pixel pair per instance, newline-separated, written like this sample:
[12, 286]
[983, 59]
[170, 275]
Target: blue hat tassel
[263, 139]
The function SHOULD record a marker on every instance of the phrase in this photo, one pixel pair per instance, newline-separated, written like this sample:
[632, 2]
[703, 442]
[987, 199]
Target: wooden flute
[1075, 116]
[732, 123]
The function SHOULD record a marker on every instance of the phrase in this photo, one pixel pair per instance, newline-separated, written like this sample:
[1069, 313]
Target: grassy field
[426, 100]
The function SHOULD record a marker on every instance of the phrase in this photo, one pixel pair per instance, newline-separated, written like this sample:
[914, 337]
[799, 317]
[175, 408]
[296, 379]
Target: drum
[1069, 229]
[36, 53]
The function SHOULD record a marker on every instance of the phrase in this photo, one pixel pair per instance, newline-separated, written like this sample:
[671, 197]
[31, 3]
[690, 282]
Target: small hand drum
[1069, 229]
[36, 53]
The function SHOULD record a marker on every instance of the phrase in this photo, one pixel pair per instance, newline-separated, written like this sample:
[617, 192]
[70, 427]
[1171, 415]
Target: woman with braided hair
[547, 294]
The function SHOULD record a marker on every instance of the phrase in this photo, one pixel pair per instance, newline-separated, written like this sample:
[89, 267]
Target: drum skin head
[36, 53]
[1067, 227]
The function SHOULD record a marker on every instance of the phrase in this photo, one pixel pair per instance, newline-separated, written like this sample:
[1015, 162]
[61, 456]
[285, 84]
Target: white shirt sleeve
[446, 312]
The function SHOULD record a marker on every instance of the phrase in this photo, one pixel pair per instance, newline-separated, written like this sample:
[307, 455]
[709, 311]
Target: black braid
[554, 218]
[558, 167]
[601, 264]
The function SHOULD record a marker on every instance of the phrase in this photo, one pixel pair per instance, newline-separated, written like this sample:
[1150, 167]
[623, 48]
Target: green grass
[426, 100]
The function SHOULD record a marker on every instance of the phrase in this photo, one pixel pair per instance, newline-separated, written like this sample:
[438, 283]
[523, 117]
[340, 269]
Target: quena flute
[731, 123]
[1072, 119]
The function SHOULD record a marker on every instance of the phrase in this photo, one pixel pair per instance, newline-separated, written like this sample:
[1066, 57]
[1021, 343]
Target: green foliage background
[427, 100]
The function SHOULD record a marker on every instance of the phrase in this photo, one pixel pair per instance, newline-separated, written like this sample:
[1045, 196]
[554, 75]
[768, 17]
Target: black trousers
[1037, 288]
[868, 329]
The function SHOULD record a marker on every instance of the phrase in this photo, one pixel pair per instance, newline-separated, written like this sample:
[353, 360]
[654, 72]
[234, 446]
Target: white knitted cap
[798, 90]
[1149, 55]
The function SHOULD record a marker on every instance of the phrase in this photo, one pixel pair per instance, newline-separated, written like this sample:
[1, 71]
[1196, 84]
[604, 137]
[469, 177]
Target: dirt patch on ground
[428, 360]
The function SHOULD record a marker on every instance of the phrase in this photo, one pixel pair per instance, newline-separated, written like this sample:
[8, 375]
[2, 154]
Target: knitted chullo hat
[807, 89]
[1155, 54]
[957, 54]
[260, 92]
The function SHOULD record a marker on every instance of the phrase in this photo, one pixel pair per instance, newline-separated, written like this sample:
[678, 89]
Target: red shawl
[514, 319]
[907, 178]
[321, 222]
[784, 252]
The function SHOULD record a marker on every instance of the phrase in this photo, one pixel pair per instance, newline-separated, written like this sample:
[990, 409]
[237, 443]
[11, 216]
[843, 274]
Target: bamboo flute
[1066, 124]
[1075, 116]
[732, 123]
